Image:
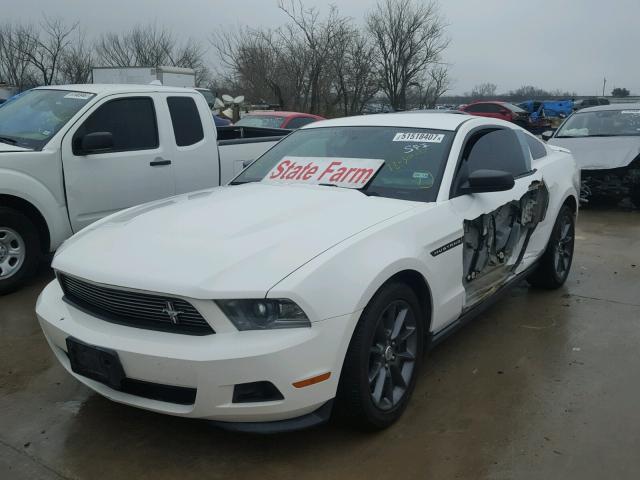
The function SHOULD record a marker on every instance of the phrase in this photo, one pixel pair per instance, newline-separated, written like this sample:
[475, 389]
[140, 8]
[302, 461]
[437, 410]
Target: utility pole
[604, 84]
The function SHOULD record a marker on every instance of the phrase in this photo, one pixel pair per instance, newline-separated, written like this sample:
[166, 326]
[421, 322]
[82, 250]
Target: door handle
[159, 162]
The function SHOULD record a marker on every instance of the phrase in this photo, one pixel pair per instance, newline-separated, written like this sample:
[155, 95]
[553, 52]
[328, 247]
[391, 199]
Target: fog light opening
[256, 392]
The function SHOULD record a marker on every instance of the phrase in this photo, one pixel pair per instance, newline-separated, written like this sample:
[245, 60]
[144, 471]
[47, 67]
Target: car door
[134, 169]
[497, 226]
[194, 152]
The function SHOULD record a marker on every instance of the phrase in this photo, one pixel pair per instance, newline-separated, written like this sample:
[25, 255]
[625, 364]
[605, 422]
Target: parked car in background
[320, 275]
[501, 110]
[590, 102]
[221, 121]
[70, 155]
[275, 119]
[605, 142]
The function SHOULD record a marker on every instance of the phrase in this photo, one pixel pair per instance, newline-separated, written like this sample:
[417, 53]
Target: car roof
[436, 121]
[101, 88]
[613, 106]
[282, 113]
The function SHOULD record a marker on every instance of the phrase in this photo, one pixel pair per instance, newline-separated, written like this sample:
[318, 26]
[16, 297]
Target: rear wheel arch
[28, 209]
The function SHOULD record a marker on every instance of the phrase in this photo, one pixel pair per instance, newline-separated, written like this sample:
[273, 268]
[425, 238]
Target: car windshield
[31, 119]
[602, 123]
[266, 121]
[414, 158]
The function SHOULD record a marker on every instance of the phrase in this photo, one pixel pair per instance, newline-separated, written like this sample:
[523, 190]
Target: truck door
[114, 158]
[192, 139]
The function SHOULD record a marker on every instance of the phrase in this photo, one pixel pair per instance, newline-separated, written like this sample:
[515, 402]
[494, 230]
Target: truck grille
[140, 310]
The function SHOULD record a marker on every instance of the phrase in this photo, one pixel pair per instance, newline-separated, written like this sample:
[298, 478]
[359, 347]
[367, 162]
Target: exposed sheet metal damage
[495, 242]
[620, 183]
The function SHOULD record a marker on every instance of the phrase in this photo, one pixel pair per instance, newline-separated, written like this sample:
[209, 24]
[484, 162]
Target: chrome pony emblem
[172, 312]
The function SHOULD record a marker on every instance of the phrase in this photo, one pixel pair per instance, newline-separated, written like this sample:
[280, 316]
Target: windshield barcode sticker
[78, 95]
[418, 137]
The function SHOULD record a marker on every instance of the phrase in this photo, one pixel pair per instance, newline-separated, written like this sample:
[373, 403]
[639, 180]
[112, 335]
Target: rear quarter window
[185, 119]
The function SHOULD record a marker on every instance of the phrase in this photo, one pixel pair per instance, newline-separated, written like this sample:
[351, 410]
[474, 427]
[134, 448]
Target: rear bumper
[210, 364]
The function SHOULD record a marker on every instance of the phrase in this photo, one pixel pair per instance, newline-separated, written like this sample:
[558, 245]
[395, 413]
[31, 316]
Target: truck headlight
[264, 314]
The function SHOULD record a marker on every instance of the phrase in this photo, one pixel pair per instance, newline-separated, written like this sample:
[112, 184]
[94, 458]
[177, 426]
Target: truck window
[131, 121]
[185, 118]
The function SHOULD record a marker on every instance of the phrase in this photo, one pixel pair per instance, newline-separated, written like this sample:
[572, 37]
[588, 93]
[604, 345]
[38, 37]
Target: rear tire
[20, 251]
[383, 359]
[554, 265]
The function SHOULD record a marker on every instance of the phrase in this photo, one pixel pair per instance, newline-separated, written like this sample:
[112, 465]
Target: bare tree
[45, 48]
[77, 61]
[15, 67]
[353, 72]
[483, 90]
[409, 38]
[437, 84]
[319, 38]
[151, 46]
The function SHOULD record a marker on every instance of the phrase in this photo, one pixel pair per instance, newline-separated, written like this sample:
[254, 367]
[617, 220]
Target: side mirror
[482, 181]
[96, 142]
[547, 135]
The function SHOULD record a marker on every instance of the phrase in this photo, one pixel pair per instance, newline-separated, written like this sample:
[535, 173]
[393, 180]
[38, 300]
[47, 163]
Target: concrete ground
[544, 385]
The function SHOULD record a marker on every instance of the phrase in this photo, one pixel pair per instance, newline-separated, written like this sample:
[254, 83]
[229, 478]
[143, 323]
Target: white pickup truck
[70, 155]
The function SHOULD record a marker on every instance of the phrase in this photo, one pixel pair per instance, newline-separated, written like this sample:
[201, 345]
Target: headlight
[264, 314]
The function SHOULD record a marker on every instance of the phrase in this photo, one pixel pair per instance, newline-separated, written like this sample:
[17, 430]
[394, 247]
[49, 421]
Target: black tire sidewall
[373, 416]
[564, 212]
[27, 230]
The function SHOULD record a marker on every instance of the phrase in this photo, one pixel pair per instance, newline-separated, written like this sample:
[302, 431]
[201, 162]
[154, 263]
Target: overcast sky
[565, 44]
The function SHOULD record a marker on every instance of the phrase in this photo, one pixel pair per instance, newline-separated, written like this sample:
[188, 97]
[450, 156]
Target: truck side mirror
[96, 142]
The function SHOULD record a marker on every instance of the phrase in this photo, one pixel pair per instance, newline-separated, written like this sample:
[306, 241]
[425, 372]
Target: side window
[300, 122]
[493, 108]
[492, 149]
[185, 119]
[536, 147]
[476, 108]
[131, 121]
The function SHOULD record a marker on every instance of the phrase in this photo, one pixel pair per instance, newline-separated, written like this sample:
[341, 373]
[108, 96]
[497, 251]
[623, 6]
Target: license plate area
[97, 363]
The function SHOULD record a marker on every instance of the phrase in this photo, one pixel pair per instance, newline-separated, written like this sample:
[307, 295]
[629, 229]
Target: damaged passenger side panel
[495, 242]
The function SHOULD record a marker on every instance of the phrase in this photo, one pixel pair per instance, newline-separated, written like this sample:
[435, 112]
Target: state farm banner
[342, 172]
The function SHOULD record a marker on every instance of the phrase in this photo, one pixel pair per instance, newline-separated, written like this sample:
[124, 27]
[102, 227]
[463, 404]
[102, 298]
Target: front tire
[20, 251]
[383, 359]
[554, 265]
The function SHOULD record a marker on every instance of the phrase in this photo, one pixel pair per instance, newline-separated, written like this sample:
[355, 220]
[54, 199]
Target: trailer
[167, 76]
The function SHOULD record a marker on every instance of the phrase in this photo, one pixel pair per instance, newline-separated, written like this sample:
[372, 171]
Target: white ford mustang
[318, 277]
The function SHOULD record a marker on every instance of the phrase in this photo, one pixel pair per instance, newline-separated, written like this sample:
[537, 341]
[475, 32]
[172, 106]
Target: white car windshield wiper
[8, 140]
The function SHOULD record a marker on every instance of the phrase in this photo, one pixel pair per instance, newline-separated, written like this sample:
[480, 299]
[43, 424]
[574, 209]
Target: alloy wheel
[392, 355]
[564, 247]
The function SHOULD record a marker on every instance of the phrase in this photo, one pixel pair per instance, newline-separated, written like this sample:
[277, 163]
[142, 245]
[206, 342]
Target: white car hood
[6, 148]
[600, 153]
[225, 242]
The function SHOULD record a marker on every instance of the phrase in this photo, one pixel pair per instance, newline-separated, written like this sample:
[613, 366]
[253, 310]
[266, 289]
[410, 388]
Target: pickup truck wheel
[553, 268]
[383, 359]
[19, 249]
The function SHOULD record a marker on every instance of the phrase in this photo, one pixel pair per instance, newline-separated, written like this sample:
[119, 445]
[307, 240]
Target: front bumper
[210, 364]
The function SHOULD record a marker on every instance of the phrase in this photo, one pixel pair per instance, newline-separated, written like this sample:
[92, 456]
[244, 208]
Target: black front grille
[133, 309]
